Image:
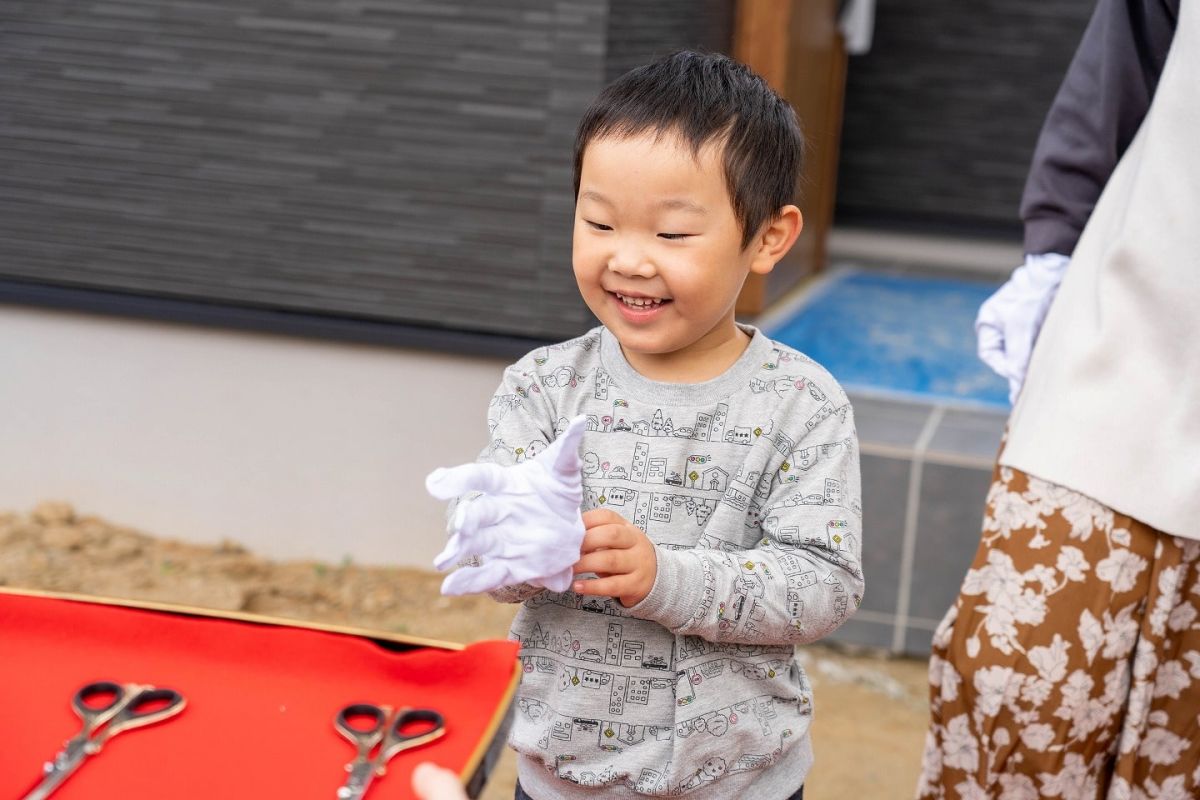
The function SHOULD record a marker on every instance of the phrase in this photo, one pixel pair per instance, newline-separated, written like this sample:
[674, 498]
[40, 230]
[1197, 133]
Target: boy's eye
[675, 236]
[599, 226]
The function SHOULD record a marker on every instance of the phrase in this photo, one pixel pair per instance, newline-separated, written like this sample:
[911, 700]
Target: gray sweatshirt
[748, 485]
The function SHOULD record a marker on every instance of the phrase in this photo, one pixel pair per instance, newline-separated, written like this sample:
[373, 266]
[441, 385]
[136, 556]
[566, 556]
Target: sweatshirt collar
[757, 353]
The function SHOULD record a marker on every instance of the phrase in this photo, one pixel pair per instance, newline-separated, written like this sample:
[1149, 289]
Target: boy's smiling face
[658, 257]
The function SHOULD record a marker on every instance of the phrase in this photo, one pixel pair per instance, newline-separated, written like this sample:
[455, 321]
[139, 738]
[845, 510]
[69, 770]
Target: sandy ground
[870, 711]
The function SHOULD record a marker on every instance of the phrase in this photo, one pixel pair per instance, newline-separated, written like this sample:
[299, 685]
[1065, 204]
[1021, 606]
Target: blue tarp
[897, 335]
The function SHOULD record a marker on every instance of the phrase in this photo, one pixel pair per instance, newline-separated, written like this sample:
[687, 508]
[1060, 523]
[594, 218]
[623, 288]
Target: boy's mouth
[641, 303]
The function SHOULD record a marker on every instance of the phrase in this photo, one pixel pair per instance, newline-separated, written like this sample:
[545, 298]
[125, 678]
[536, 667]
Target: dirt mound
[54, 548]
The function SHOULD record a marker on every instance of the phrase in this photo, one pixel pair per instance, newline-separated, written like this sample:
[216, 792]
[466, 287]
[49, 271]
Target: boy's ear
[775, 239]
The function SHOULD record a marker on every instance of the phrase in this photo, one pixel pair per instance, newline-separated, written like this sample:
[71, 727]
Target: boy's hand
[620, 554]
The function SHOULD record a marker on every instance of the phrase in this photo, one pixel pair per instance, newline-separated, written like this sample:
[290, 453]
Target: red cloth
[260, 702]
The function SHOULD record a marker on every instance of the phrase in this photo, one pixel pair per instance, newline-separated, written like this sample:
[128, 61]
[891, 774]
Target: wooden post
[796, 46]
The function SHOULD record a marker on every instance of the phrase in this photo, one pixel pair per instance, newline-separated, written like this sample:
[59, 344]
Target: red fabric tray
[260, 701]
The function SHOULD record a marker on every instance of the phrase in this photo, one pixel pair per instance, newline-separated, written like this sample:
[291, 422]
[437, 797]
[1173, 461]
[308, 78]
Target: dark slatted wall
[391, 160]
[942, 115]
[639, 31]
[408, 162]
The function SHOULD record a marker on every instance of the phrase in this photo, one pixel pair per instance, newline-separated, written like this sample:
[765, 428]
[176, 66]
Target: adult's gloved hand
[1008, 322]
[525, 527]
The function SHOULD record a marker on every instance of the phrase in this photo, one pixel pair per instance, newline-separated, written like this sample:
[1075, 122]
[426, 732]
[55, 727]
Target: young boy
[720, 477]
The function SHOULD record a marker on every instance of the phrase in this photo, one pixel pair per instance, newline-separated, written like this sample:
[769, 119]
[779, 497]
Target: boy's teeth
[639, 302]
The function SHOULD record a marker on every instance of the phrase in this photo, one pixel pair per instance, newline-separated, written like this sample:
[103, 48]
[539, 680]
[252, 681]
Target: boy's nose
[631, 261]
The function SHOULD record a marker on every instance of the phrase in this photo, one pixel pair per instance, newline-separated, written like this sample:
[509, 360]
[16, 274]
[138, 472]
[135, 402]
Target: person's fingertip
[424, 774]
[434, 781]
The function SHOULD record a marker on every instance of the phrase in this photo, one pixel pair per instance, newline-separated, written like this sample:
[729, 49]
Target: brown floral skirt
[1070, 664]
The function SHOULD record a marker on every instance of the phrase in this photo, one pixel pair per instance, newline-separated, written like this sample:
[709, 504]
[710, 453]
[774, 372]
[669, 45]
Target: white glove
[1009, 320]
[526, 526]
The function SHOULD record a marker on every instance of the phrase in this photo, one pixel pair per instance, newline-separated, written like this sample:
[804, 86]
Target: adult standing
[1070, 664]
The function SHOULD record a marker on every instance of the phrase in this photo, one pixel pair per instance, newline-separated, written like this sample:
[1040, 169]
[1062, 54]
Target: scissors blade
[65, 763]
[362, 772]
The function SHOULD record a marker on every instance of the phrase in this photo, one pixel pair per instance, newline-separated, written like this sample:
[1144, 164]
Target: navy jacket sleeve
[1102, 101]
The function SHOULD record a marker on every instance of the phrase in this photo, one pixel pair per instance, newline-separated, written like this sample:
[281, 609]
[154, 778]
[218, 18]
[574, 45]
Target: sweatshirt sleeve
[803, 579]
[1098, 109]
[521, 423]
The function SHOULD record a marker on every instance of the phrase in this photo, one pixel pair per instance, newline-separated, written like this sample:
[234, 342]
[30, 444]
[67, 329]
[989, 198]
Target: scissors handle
[93, 716]
[349, 724]
[150, 704]
[429, 723]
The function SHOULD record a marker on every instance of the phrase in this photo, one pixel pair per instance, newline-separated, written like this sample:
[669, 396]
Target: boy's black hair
[703, 97]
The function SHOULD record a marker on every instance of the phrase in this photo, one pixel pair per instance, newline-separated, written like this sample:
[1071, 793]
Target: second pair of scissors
[367, 725]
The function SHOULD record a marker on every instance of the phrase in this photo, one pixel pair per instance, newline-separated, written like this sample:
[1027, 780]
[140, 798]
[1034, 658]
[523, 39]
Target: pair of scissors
[393, 730]
[106, 709]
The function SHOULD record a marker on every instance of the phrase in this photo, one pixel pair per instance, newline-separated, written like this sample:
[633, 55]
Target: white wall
[294, 448]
